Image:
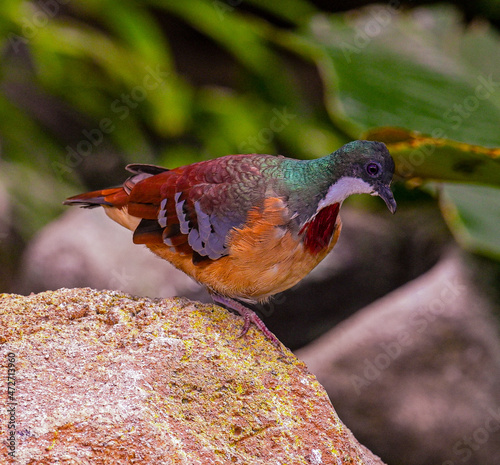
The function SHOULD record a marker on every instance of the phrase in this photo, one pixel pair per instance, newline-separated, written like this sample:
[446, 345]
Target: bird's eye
[373, 169]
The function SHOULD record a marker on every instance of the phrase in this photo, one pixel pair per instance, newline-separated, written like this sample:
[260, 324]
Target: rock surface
[416, 375]
[104, 377]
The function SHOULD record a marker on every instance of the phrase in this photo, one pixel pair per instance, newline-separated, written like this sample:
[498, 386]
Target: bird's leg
[249, 316]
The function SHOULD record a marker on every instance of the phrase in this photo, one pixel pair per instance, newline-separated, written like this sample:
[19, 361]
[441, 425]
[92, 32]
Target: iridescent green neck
[308, 181]
[300, 173]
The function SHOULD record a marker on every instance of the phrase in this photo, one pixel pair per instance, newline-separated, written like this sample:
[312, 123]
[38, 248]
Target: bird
[245, 226]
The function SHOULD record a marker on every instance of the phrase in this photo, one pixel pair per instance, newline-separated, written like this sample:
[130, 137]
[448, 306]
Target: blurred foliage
[89, 86]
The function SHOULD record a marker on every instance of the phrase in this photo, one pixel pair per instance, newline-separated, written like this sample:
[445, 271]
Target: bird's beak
[385, 193]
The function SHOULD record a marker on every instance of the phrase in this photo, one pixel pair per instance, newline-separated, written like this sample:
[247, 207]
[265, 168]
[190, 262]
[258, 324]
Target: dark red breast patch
[319, 231]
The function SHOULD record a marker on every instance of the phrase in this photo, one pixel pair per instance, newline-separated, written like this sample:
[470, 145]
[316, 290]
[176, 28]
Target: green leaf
[423, 158]
[382, 67]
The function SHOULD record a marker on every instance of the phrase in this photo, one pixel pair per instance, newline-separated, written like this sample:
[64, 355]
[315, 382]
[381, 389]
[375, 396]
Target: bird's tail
[114, 197]
[116, 200]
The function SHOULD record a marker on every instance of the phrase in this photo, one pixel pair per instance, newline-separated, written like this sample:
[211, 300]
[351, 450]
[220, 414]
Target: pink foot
[249, 316]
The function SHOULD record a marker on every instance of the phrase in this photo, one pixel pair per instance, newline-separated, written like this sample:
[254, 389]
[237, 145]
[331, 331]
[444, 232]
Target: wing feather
[194, 208]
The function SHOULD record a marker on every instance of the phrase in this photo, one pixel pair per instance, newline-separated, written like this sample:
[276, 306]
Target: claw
[246, 325]
[249, 316]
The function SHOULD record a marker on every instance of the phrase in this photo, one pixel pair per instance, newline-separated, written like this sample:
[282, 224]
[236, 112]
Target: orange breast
[264, 257]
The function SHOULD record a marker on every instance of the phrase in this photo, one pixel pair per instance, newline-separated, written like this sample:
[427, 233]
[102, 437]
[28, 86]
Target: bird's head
[361, 167]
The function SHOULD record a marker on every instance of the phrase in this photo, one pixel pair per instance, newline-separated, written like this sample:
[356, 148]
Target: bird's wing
[193, 208]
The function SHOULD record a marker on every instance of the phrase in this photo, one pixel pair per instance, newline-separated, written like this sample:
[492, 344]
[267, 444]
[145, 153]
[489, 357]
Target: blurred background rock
[87, 87]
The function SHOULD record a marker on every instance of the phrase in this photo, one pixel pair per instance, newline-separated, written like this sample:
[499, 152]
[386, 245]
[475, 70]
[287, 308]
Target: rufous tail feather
[115, 197]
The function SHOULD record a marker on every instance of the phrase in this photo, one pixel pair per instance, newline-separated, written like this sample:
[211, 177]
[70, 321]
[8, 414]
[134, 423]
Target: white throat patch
[342, 189]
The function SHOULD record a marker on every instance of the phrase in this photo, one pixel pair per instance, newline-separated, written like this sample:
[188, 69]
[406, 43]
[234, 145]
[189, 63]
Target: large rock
[103, 377]
[416, 375]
